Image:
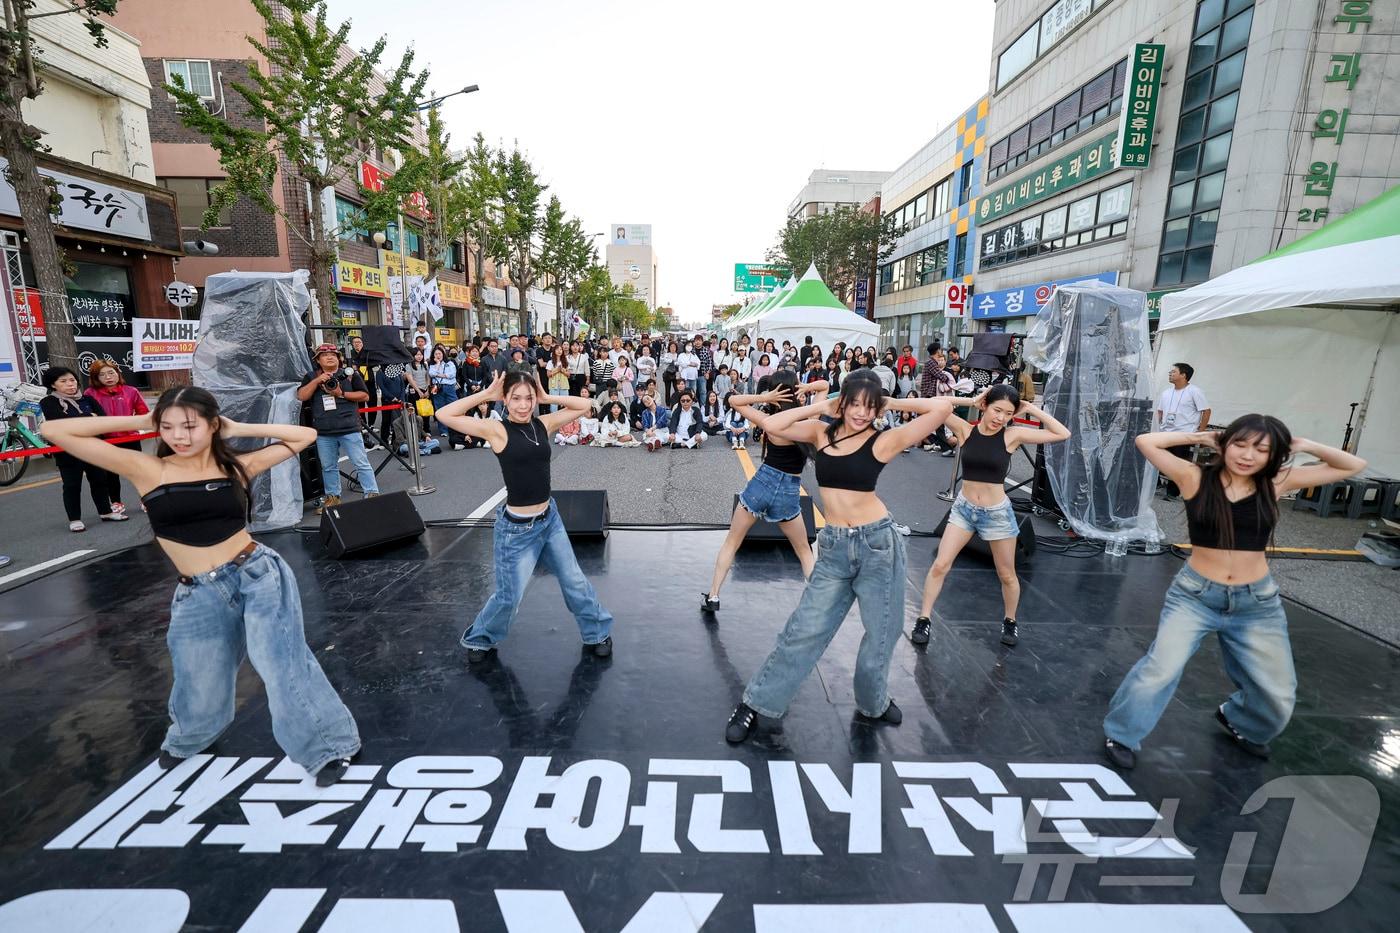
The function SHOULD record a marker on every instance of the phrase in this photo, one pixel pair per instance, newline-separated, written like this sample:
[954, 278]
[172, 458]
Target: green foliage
[845, 245]
[438, 175]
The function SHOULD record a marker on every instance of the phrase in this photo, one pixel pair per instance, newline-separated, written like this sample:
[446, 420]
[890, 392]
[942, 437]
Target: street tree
[565, 253]
[481, 198]
[592, 294]
[522, 224]
[845, 245]
[440, 180]
[322, 106]
[20, 142]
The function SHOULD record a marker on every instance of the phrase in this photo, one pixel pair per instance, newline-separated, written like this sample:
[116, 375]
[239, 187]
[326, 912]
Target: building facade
[1271, 118]
[205, 43]
[631, 260]
[828, 189]
[118, 231]
[931, 197]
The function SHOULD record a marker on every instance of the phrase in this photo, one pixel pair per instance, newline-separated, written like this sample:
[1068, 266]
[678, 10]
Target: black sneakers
[1119, 755]
[167, 760]
[477, 655]
[891, 715]
[332, 772]
[603, 649]
[708, 603]
[921, 628]
[741, 723]
[1008, 633]
[1254, 748]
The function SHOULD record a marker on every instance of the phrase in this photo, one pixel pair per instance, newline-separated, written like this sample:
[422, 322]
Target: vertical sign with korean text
[1139, 114]
[1343, 68]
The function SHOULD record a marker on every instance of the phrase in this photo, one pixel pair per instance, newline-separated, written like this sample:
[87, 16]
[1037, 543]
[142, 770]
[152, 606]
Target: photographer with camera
[335, 392]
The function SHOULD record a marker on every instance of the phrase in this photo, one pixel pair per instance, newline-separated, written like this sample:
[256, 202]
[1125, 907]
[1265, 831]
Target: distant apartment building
[828, 189]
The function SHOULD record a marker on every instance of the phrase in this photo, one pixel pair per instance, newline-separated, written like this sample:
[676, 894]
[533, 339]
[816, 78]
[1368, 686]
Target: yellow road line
[1297, 550]
[818, 519]
[42, 482]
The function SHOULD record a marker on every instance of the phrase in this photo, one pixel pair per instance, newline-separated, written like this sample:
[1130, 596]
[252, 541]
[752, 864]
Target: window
[1210, 101]
[192, 200]
[921, 208]
[1042, 36]
[964, 183]
[346, 215]
[1087, 220]
[194, 73]
[940, 197]
[960, 257]
[1095, 102]
[1018, 56]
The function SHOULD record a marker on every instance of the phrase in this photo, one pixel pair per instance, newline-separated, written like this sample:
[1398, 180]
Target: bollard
[947, 495]
[411, 419]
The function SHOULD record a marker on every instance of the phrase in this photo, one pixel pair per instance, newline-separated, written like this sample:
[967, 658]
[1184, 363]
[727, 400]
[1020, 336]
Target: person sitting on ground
[484, 410]
[654, 422]
[638, 405]
[736, 426]
[713, 414]
[613, 429]
[610, 395]
[588, 424]
[568, 435]
[686, 423]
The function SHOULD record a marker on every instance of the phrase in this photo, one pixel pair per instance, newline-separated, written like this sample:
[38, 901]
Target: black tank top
[1251, 530]
[525, 463]
[856, 471]
[789, 458]
[198, 514]
[985, 458]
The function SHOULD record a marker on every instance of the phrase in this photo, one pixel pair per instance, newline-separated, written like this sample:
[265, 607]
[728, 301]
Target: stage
[549, 790]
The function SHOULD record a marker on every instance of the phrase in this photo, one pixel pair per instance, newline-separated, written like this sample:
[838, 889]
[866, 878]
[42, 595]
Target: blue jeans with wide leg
[518, 547]
[252, 611]
[1249, 622]
[864, 563]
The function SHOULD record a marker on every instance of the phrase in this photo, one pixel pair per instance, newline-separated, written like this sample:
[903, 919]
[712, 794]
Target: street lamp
[433, 102]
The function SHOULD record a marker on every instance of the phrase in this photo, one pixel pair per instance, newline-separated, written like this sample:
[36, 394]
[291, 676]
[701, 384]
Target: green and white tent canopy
[809, 309]
[1302, 333]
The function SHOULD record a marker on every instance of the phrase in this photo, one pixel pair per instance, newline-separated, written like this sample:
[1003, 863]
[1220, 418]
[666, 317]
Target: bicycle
[16, 402]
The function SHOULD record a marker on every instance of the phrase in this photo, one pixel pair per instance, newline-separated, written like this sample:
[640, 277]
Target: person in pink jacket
[117, 400]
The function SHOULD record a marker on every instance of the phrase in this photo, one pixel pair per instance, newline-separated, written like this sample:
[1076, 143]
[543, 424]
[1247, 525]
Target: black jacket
[697, 420]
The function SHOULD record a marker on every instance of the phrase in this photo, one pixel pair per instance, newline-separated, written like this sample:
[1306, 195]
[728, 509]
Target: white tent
[1303, 334]
[810, 310]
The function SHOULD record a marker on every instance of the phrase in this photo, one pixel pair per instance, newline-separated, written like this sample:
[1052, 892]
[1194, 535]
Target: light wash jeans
[329, 448]
[1253, 632]
[865, 563]
[517, 547]
[558, 392]
[251, 611]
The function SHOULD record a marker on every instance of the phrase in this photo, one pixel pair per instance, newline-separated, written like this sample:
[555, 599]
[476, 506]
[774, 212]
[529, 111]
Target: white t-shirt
[1180, 409]
[683, 422]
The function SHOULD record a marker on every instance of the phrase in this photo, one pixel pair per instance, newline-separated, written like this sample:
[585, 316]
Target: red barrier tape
[44, 451]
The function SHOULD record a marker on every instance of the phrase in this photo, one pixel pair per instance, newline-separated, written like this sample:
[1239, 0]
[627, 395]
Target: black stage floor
[553, 791]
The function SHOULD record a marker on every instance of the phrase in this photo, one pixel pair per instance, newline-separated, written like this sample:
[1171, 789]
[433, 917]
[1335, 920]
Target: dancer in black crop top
[860, 555]
[981, 508]
[774, 492]
[236, 597]
[528, 527]
[1225, 587]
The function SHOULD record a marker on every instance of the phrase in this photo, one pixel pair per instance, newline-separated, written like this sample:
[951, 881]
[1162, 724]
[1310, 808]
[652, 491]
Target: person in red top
[907, 357]
[109, 390]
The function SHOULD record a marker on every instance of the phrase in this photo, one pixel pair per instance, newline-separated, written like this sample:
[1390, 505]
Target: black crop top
[198, 514]
[985, 458]
[789, 458]
[1251, 530]
[525, 462]
[856, 471]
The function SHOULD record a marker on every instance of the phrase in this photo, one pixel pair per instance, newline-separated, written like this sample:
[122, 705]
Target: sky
[703, 120]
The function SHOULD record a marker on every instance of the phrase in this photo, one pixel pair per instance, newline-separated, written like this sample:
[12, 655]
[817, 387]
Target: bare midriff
[850, 508]
[1232, 568]
[987, 495]
[191, 561]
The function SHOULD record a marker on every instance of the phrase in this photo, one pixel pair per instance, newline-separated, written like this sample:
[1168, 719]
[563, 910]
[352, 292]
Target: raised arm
[288, 440]
[929, 414]
[1336, 466]
[81, 438]
[1050, 432]
[455, 416]
[1155, 446]
[744, 405]
[800, 424]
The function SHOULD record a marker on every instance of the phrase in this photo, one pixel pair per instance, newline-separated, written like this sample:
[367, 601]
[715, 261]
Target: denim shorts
[773, 495]
[990, 523]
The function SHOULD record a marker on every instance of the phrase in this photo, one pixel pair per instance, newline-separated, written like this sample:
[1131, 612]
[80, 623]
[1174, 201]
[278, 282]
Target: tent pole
[1371, 385]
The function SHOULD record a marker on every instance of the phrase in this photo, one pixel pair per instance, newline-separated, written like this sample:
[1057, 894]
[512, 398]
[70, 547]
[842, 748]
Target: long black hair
[777, 379]
[205, 406]
[1211, 504]
[860, 385]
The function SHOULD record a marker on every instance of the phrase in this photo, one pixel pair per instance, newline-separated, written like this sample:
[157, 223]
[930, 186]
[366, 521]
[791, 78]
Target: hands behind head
[778, 396]
[497, 386]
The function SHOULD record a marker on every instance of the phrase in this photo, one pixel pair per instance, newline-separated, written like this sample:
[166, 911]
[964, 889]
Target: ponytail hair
[1005, 392]
[515, 377]
[205, 406]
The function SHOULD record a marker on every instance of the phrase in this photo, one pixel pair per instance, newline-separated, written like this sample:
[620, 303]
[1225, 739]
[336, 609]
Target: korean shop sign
[351, 278]
[1069, 171]
[1342, 69]
[85, 204]
[1025, 300]
[1139, 114]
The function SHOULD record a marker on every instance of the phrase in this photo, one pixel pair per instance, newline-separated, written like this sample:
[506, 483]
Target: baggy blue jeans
[864, 563]
[517, 548]
[252, 611]
[328, 450]
[1249, 622]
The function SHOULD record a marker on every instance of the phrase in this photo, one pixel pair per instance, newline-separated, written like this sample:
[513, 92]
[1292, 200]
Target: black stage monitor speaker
[1025, 541]
[766, 531]
[584, 512]
[366, 523]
